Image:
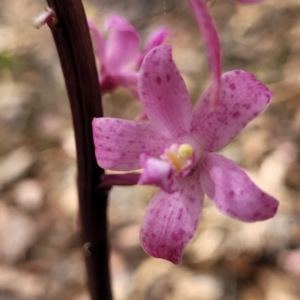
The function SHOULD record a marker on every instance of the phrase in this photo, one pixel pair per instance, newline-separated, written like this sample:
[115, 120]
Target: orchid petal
[171, 220]
[122, 45]
[98, 41]
[157, 38]
[211, 39]
[164, 94]
[119, 143]
[126, 79]
[233, 192]
[157, 172]
[242, 98]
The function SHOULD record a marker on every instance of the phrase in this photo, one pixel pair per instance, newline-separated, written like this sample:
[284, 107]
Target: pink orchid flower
[119, 54]
[176, 151]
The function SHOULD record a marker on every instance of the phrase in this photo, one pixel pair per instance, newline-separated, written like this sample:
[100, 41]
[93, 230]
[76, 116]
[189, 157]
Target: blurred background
[40, 253]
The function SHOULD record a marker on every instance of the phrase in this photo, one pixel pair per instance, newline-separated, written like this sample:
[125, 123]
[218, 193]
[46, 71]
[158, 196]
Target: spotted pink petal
[242, 98]
[157, 172]
[98, 40]
[157, 38]
[119, 143]
[164, 94]
[233, 192]
[122, 45]
[211, 39]
[171, 220]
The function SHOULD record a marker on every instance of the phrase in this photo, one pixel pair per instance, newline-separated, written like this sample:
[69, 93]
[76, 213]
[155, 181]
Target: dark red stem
[72, 39]
[128, 179]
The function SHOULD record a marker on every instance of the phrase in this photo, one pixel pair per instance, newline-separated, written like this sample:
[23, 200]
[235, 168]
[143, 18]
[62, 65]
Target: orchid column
[72, 39]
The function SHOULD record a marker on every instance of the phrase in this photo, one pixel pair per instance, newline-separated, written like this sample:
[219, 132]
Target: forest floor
[40, 252]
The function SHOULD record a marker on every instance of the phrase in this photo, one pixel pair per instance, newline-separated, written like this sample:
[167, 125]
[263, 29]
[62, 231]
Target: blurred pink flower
[175, 149]
[119, 54]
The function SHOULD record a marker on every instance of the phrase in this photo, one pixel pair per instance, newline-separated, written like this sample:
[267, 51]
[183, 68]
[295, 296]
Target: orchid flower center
[181, 156]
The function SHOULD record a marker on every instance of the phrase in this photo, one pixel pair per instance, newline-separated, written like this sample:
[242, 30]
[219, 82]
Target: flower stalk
[72, 39]
[127, 179]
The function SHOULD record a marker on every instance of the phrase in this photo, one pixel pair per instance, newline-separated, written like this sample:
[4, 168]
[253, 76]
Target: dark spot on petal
[191, 199]
[231, 194]
[236, 114]
[168, 77]
[232, 86]
[256, 215]
[179, 217]
[158, 80]
[175, 237]
[247, 105]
